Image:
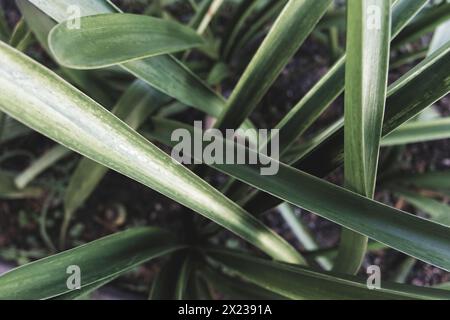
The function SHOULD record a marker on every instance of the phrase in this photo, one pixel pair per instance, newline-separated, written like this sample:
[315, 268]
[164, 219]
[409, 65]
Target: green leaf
[45, 102]
[165, 284]
[40, 165]
[443, 286]
[302, 283]
[434, 180]
[136, 104]
[170, 76]
[438, 211]
[110, 39]
[368, 37]
[200, 13]
[332, 252]
[41, 25]
[184, 277]
[426, 22]
[12, 130]
[365, 94]
[303, 234]
[288, 33]
[440, 38]
[237, 289]
[330, 86]
[418, 131]
[257, 25]
[20, 36]
[99, 260]
[312, 105]
[218, 73]
[209, 15]
[423, 239]
[84, 291]
[63, 10]
[236, 25]
[411, 94]
[418, 89]
[164, 73]
[8, 189]
[4, 29]
[402, 271]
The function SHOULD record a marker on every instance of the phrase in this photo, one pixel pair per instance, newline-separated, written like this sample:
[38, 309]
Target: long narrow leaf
[419, 131]
[415, 91]
[368, 37]
[312, 105]
[164, 73]
[136, 104]
[288, 33]
[48, 159]
[97, 261]
[45, 102]
[302, 283]
[423, 239]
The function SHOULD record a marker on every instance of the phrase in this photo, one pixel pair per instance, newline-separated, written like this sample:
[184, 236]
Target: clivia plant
[116, 85]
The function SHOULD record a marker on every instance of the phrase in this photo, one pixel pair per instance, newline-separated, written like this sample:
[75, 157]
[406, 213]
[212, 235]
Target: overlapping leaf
[302, 283]
[45, 102]
[97, 262]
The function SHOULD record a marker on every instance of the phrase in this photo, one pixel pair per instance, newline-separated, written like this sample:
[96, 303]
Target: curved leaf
[109, 39]
[135, 105]
[44, 162]
[98, 261]
[302, 283]
[420, 238]
[43, 101]
[411, 94]
[288, 33]
[164, 73]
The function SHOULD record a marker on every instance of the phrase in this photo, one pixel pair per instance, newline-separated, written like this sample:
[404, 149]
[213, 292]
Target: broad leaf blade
[110, 39]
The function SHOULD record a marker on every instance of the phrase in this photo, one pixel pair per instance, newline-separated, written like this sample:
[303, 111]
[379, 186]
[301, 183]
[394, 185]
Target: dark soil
[119, 203]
